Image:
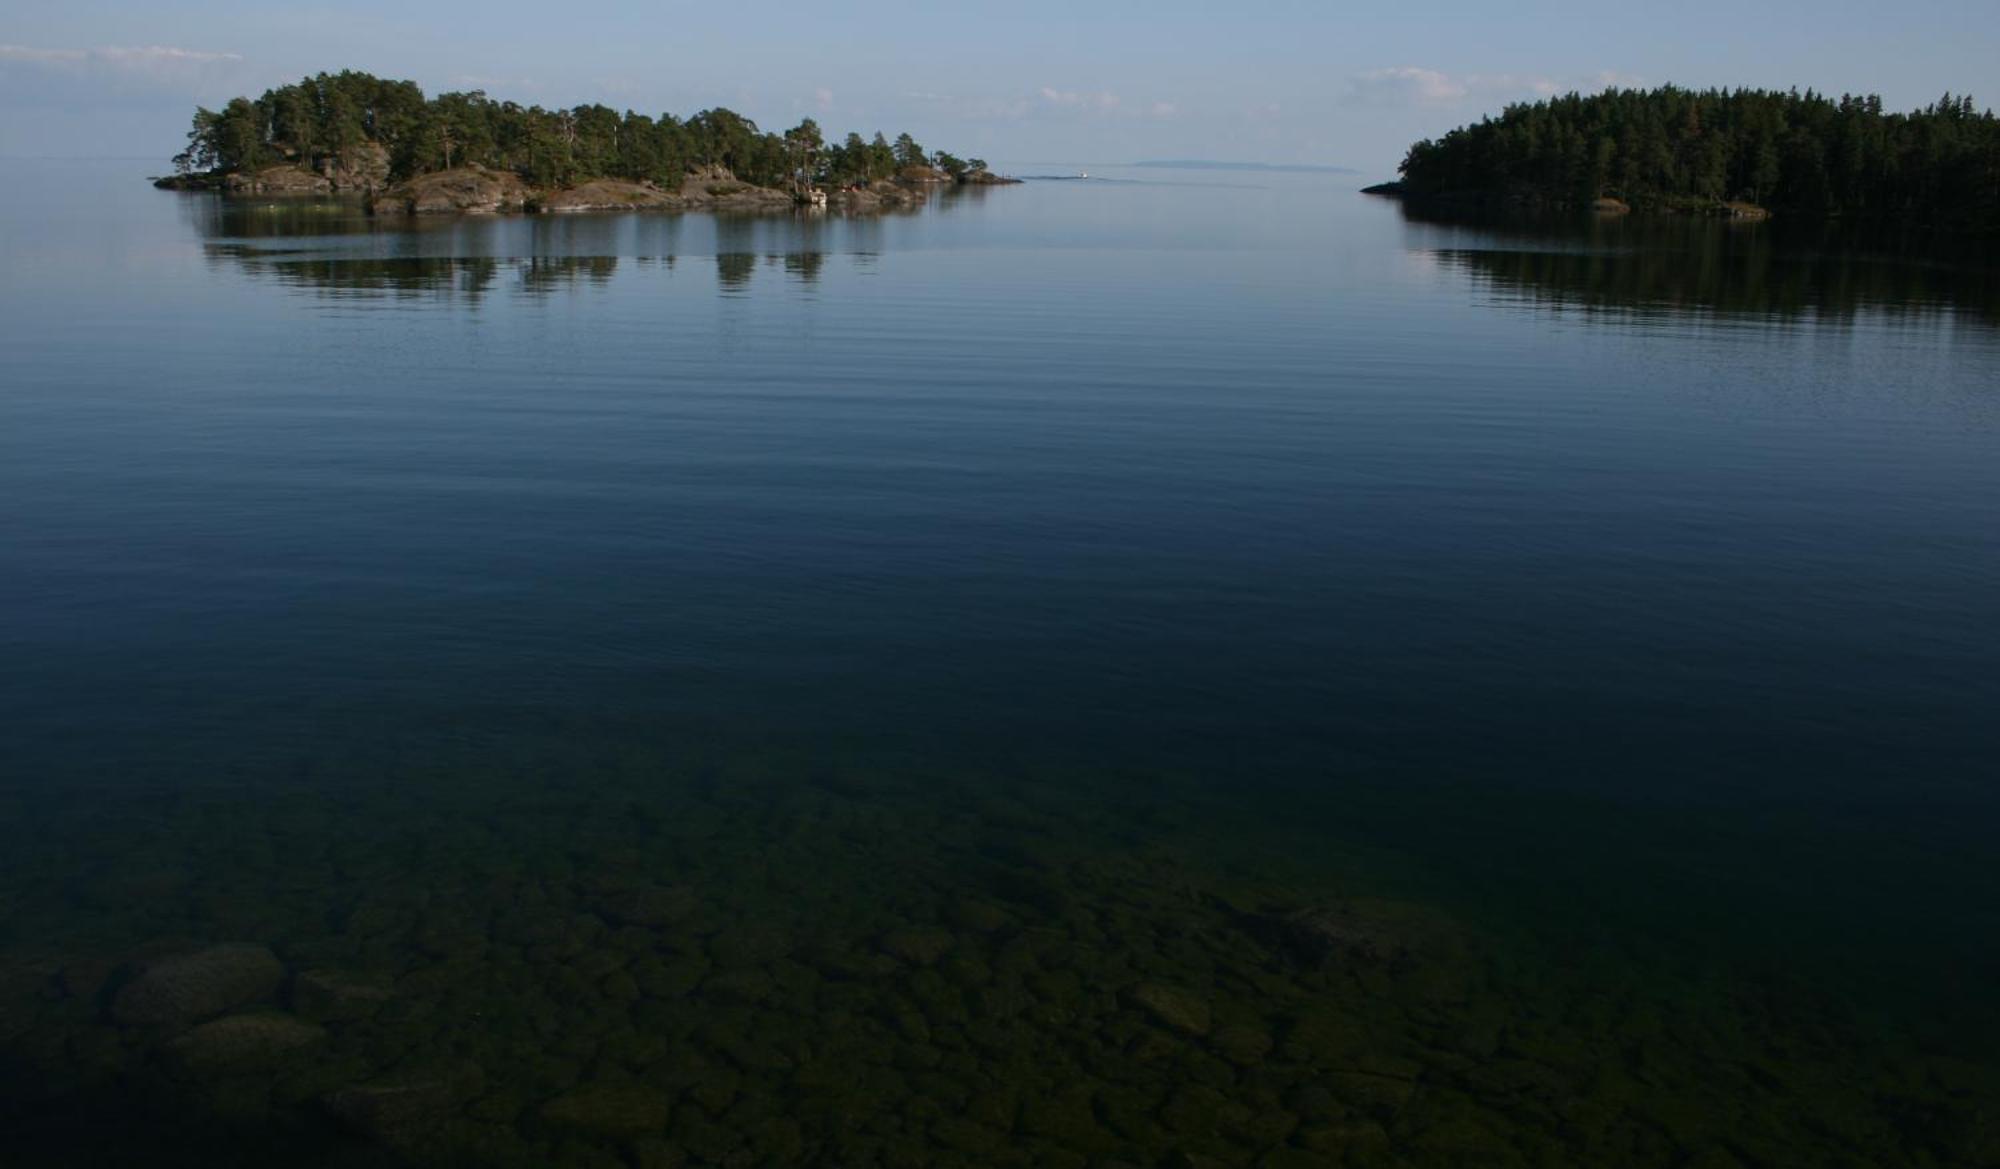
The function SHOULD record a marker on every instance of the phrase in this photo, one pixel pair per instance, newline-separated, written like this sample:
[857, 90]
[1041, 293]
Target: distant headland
[350, 133]
[1745, 153]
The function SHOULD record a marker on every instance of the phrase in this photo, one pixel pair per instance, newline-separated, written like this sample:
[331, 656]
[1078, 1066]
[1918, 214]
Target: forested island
[353, 133]
[1744, 152]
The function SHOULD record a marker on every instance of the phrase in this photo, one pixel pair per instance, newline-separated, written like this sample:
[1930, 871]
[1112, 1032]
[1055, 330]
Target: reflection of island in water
[473, 278]
[333, 247]
[469, 277]
[1705, 265]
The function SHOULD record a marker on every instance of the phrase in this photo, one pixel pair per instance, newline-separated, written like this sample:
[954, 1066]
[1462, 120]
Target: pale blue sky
[1028, 81]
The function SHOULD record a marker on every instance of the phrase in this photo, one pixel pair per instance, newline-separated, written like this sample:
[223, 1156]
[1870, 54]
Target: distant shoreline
[1263, 167]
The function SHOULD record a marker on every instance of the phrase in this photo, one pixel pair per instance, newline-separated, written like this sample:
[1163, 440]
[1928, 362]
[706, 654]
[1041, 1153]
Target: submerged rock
[198, 986]
[611, 1109]
[1242, 1044]
[86, 978]
[406, 1111]
[1178, 1009]
[749, 944]
[917, 947]
[328, 995]
[239, 1043]
[650, 906]
[1318, 935]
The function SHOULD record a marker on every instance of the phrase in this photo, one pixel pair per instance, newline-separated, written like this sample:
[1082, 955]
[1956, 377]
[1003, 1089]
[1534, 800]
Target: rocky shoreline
[480, 190]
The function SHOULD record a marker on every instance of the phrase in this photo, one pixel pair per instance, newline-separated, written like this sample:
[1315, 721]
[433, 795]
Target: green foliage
[881, 158]
[1791, 152]
[322, 118]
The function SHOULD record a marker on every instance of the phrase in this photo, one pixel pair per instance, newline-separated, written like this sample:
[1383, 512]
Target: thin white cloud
[116, 55]
[153, 53]
[1405, 85]
[42, 56]
[1080, 100]
[1411, 85]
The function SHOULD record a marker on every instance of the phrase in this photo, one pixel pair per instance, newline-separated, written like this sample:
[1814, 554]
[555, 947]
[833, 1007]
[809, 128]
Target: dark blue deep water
[1109, 673]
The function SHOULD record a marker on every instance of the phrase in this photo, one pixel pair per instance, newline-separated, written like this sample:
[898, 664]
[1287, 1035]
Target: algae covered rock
[242, 1043]
[193, 987]
[1320, 934]
[749, 944]
[404, 1112]
[917, 947]
[978, 916]
[650, 906]
[1242, 1044]
[1178, 1009]
[327, 995]
[611, 1109]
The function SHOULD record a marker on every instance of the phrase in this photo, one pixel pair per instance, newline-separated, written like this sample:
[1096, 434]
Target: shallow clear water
[1126, 672]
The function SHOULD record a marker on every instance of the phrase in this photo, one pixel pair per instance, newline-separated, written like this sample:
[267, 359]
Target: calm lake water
[1162, 670]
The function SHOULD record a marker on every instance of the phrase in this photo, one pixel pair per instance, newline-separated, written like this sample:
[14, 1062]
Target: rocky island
[1741, 154]
[353, 134]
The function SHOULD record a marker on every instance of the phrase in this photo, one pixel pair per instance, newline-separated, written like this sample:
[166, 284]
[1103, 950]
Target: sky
[1029, 81]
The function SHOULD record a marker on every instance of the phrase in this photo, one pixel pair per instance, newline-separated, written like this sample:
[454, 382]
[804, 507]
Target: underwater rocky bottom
[768, 959]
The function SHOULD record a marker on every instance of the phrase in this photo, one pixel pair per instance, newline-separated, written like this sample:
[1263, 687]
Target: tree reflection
[1703, 265]
[734, 269]
[471, 278]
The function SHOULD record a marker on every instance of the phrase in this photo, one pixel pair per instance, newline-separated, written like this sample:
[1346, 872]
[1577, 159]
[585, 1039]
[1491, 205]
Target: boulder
[1319, 934]
[917, 947]
[404, 1112]
[328, 995]
[1242, 1044]
[749, 944]
[1178, 1009]
[650, 906]
[718, 190]
[278, 180]
[242, 1043]
[471, 188]
[193, 987]
[609, 195]
[611, 1108]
